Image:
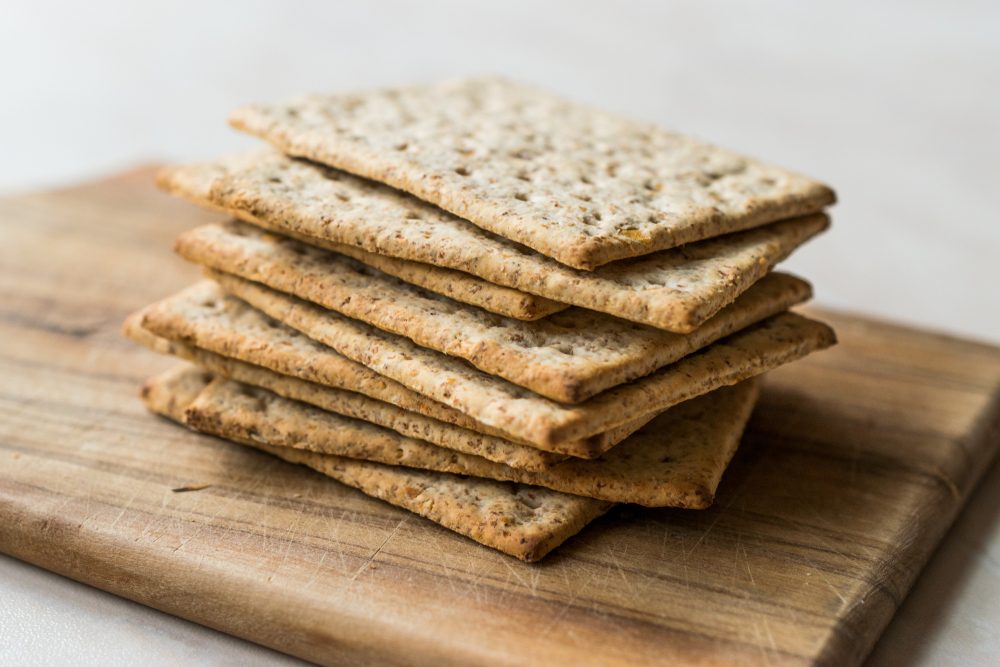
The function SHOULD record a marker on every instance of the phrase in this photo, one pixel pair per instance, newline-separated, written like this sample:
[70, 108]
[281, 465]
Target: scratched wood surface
[856, 462]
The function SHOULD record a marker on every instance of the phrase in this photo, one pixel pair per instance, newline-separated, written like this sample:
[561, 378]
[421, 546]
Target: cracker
[522, 521]
[351, 404]
[171, 392]
[133, 330]
[525, 416]
[194, 183]
[201, 317]
[203, 325]
[676, 460]
[676, 290]
[462, 287]
[577, 184]
[526, 522]
[529, 417]
[569, 356]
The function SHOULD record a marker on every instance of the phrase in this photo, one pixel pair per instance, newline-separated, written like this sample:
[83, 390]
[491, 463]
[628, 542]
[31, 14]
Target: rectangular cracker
[676, 290]
[525, 416]
[576, 184]
[676, 460]
[522, 521]
[457, 285]
[349, 404]
[191, 183]
[234, 340]
[569, 356]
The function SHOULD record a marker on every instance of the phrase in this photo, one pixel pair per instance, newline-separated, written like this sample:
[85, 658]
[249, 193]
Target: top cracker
[580, 185]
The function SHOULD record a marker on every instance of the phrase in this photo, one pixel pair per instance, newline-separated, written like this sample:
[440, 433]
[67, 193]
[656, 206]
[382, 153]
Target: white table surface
[896, 104]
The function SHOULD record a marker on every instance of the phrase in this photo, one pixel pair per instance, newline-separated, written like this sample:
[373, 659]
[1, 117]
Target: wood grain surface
[856, 462]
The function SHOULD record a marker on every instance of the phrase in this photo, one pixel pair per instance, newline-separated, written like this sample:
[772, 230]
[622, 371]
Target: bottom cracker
[522, 521]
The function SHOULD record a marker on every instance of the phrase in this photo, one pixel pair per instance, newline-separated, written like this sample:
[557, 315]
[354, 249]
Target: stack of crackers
[493, 307]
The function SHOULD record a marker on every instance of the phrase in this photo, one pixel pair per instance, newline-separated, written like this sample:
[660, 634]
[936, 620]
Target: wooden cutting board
[856, 462]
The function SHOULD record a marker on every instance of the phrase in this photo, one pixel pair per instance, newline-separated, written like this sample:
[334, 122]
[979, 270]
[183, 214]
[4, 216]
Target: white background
[895, 104]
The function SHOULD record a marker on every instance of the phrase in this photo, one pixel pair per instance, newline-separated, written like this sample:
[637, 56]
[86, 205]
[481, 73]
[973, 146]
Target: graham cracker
[677, 290]
[203, 325]
[522, 521]
[574, 183]
[676, 460]
[569, 356]
[194, 183]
